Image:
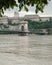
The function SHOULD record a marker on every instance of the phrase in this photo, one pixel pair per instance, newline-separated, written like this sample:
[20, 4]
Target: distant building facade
[36, 18]
[21, 21]
[32, 17]
[4, 20]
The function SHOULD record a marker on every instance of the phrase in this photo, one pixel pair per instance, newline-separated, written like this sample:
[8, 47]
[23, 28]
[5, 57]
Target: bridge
[38, 31]
[22, 32]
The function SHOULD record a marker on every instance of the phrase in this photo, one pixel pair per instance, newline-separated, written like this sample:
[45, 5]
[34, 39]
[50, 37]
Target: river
[26, 50]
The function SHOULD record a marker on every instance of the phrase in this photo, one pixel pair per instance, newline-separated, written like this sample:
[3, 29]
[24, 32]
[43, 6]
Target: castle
[21, 21]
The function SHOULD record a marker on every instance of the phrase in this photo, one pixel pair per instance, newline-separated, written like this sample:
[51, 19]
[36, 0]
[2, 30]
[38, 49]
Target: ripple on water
[25, 50]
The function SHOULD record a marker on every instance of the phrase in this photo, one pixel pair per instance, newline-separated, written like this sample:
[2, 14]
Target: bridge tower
[23, 27]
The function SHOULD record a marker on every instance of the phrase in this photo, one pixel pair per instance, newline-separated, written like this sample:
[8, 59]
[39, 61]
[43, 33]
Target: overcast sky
[47, 11]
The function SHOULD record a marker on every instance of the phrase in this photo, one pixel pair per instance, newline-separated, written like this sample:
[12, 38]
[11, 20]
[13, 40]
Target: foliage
[5, 4]
[9, 22]
[39, 4]
[39, 25]
[6, 26]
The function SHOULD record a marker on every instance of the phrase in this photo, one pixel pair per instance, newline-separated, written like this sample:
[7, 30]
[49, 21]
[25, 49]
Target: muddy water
[25, 50]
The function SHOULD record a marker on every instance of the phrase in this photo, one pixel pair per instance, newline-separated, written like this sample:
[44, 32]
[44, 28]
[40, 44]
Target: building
[21, 21]
[32, 17]
[4, 20]
[44, 18]
[36, 18]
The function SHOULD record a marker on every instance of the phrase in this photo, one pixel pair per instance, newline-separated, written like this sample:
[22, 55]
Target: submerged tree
[6, 4]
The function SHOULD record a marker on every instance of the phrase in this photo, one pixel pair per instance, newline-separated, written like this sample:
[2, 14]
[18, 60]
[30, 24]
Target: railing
[38, 31]
[12, 32]
[31, 31]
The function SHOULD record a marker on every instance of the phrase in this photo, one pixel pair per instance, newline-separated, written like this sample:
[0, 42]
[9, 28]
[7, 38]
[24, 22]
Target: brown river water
[26, 50]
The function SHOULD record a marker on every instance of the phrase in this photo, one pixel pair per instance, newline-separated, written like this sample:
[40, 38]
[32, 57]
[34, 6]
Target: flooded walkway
[25, 50]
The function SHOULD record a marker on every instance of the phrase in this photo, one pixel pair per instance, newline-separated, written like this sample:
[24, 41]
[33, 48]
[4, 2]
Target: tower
[16, 14]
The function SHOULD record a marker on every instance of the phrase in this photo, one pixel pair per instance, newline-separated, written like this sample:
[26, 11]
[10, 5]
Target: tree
[5, 4]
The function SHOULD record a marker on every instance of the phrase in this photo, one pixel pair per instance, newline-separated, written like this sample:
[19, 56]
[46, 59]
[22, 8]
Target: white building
[32, 17]
[21, 21]
[4, 20]
[37, 18]
[45, 18]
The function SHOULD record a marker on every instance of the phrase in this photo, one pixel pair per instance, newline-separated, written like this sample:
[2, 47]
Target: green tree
[5, 4]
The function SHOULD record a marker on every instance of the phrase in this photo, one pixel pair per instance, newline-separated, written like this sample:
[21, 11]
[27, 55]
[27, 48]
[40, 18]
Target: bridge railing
[38, 30]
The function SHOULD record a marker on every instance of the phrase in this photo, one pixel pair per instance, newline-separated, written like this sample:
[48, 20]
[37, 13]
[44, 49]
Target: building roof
[31, 16]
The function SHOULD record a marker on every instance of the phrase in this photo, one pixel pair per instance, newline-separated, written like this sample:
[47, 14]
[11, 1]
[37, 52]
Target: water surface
[25, 50]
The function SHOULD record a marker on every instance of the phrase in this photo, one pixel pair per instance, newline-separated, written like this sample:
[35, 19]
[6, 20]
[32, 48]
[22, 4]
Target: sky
[47, 11]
